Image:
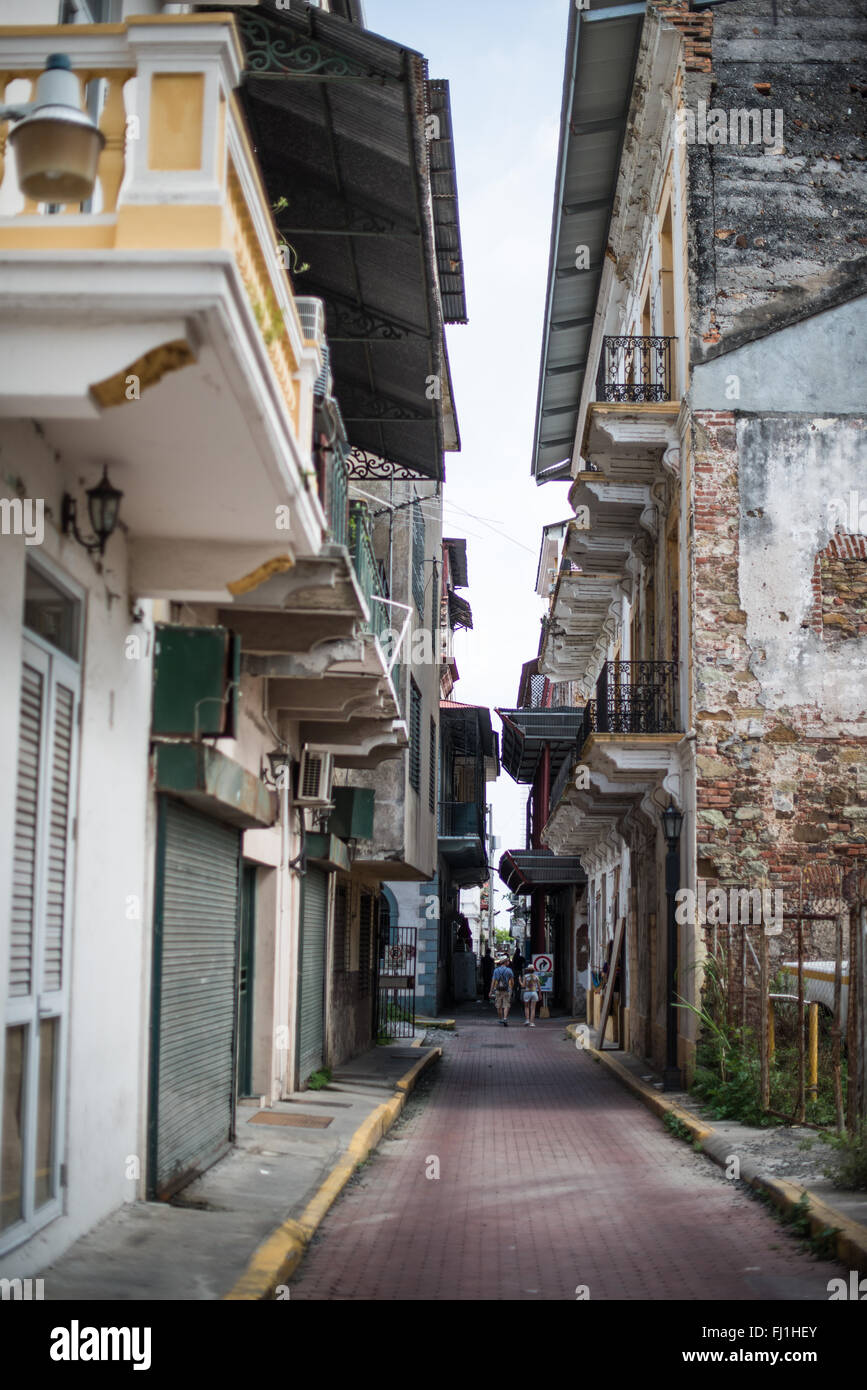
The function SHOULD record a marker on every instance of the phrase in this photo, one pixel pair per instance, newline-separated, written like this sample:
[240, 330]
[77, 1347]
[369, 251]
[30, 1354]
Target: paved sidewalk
[200, 1245]
[551, 1177]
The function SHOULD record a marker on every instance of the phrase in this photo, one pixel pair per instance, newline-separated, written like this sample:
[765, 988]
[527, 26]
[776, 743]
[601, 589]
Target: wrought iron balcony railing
[367, 567]
[634, 697]
[634, 370]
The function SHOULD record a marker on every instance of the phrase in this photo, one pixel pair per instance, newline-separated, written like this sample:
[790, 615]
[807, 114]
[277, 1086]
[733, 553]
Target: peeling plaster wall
[781, 732]
[791, 469]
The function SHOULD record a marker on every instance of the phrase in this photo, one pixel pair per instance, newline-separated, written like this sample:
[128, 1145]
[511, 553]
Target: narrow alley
[553, 1183]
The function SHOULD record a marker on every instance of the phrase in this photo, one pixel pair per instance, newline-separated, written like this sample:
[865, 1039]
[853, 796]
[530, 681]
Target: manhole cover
[274, 1117]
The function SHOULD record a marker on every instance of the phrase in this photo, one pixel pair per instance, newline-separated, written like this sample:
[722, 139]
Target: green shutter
[195, 977]
[314, 920]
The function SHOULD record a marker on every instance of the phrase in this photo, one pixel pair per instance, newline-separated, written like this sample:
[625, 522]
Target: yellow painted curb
[278, 1257]
[651, 1097]
[851, 1237]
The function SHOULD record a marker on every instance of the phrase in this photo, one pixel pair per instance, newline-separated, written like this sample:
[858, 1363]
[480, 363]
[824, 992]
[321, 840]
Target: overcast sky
[504, 61]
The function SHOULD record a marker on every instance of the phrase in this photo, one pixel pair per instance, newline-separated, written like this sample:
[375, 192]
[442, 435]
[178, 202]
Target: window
[47, 749]
[418, 556]
[432, 769]
[414, 736]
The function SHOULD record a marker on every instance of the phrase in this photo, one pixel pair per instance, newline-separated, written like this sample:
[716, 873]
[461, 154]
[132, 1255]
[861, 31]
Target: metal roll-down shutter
[195, 993]
[314, 920]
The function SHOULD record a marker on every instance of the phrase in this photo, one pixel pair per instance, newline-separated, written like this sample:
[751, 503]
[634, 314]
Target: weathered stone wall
[780, 710]
[781, 219]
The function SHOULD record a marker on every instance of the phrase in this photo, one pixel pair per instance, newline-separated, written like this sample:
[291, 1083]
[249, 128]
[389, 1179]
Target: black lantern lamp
[57, 145]
[103, 505]
[672, 823]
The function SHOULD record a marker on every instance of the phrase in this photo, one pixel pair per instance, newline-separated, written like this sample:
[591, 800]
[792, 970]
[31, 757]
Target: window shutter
[26, 832]
[58, 833]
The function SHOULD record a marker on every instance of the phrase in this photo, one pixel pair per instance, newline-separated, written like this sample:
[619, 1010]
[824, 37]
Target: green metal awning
[207, 780]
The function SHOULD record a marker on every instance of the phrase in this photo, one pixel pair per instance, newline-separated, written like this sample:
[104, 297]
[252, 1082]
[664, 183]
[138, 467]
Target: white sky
[504, 61]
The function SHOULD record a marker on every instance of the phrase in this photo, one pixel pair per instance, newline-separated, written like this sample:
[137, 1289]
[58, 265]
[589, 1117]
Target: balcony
[367, 569]
[461, 819]
[634, 370]
[197, 359]
[633, 697]
[630, 432]
[462, 842]
[628, 748]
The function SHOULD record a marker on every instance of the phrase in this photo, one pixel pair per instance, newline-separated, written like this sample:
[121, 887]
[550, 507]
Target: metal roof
[444, 190]
[339, 120]
[457, 561]
[522, 870]
[601, 50]
[525, 733]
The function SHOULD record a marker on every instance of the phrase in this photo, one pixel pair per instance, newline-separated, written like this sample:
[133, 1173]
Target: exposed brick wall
[777, 788]
[696, 29]
[840, 589]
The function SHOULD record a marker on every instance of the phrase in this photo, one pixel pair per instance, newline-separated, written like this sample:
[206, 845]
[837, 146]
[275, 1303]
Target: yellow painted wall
[176, 120]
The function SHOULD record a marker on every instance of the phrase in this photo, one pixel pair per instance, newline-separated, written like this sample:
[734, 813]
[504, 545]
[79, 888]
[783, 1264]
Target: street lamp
[672, 824]
[103, 505]
[57, 145]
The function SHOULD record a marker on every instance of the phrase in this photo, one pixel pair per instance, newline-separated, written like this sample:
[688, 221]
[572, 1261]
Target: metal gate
[314, 921]
[196, 927]
[395, 1000]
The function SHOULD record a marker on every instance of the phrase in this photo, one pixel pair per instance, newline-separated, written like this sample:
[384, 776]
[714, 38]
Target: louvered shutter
[314, 918]
[26, 831]
[196, 999]
[59, 786]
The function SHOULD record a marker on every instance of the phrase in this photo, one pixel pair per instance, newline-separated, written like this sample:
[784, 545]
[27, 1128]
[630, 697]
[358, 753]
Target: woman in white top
[530, 985]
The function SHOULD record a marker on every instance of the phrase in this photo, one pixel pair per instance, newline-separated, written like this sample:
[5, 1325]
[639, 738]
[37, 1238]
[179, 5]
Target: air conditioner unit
[312, 315]
[315, 773]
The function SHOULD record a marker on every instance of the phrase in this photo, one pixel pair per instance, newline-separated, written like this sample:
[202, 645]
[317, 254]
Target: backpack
[501, 982]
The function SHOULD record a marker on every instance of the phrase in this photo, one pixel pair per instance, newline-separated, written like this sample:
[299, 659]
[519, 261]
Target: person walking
[487, 972]
[531, 989]
[502, 984]
[517, 965]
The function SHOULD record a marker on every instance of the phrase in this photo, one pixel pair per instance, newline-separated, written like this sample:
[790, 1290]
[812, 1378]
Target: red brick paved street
[551, 1176]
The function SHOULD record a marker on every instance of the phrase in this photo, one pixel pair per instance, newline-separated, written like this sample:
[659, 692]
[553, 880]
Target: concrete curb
[850, 1236]
[280, 1254]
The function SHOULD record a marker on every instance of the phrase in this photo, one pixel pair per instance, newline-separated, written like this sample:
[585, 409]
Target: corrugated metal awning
[601, 50]
[339, 119]
[522, 870]
[525, 733]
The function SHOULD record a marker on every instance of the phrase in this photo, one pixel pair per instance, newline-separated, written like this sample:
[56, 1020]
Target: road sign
[544, 968]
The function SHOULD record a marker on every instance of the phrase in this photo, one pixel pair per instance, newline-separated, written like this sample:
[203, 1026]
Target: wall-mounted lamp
[103, 505]
[57, 145]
